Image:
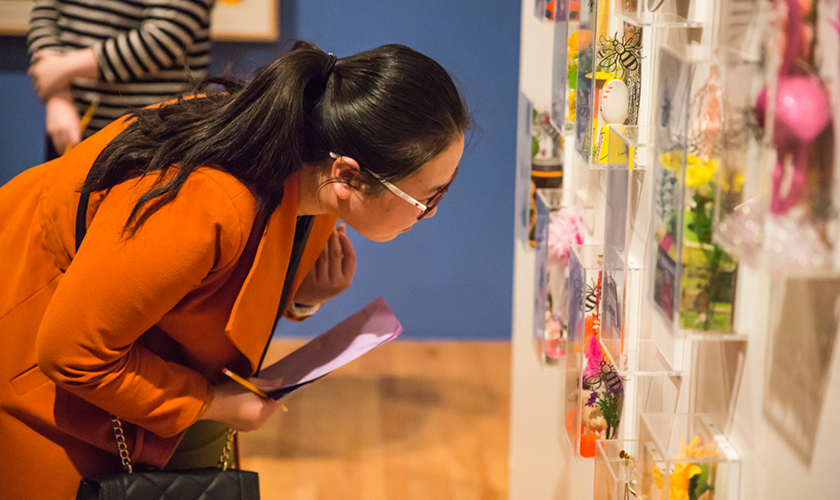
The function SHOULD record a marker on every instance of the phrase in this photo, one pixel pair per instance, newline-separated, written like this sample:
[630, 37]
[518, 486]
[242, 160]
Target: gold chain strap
[225, 459]
[122, 448]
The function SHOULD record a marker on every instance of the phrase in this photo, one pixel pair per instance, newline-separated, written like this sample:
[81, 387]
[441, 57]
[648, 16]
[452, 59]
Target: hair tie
[328, 69]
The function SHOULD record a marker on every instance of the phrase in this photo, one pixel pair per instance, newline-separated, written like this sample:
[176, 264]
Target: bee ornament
[608, 377]
[615, 55]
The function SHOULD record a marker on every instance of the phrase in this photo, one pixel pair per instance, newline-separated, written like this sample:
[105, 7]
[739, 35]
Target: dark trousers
[202, 446]
[51, 153]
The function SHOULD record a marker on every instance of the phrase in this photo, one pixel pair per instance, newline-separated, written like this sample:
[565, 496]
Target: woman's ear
[345, 171]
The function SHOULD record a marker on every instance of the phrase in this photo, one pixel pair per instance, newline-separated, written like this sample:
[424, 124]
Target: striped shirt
[146, 50]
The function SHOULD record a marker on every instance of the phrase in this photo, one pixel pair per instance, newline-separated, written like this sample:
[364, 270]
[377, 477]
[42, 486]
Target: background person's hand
[241, 409]
[52, 71]
[49, 74]
[63, 125]
[332, 273]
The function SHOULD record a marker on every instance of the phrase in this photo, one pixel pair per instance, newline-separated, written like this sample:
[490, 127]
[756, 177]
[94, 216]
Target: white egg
[615, 99]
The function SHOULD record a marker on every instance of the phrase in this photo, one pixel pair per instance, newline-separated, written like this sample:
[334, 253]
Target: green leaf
[701, 485]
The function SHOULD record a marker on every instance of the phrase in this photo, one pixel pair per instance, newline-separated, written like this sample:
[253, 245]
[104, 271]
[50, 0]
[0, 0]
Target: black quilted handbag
[206, 484]
[209, 483]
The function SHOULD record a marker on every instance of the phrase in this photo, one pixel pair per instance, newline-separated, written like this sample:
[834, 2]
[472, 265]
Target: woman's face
[383, 216]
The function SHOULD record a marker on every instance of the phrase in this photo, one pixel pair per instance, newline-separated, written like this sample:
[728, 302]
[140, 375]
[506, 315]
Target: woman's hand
[63, 121]
[239, 408]
[332, 273]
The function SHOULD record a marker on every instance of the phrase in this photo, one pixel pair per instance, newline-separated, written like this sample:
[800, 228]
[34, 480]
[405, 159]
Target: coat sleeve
[117, 287]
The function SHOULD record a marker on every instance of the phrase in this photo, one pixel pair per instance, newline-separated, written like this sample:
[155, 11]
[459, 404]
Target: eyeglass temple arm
[394, 189]
[399, 192]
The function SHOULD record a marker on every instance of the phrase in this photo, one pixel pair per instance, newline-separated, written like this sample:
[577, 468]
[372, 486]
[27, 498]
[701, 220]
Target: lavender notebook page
[371, 327]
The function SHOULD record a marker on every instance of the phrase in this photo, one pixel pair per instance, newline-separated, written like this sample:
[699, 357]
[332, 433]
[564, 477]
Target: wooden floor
[408, 421]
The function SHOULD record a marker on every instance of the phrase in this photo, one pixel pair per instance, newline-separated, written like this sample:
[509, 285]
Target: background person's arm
[43, 32]
[160, 43]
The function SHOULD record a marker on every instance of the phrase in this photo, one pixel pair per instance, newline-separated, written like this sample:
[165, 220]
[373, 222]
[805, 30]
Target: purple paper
[369, 328]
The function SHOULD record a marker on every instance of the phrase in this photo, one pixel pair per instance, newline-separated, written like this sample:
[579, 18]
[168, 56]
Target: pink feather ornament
[565, 230]
[594, 356]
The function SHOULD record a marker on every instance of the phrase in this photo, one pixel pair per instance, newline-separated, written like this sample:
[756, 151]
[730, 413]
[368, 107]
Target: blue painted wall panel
[451, 276]
[21, 113]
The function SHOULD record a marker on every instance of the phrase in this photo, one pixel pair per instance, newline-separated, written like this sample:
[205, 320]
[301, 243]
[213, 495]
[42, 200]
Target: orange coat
[137, 327]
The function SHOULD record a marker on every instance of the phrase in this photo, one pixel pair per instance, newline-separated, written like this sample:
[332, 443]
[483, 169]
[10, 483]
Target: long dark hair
[392, 109]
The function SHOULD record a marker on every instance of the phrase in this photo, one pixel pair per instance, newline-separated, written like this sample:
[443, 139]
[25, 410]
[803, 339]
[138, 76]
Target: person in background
[130, 304]
[98, 60]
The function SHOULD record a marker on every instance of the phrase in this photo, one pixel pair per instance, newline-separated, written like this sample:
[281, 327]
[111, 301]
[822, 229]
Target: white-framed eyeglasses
[425, 209]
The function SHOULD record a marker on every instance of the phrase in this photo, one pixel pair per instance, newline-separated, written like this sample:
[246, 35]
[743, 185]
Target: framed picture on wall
[14, 16]
[246, 20]
[233, 20]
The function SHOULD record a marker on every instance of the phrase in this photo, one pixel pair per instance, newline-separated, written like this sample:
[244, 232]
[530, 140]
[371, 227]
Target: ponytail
[252, 131]
[391, 108]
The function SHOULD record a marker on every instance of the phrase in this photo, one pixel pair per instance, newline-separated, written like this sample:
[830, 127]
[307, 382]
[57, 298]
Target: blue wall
[449, 277]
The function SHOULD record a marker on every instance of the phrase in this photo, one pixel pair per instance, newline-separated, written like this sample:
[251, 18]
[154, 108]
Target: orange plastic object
[550, 9]
[587, 444]
[570, 421]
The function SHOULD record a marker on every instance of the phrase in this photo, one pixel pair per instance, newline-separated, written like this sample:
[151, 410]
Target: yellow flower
[672, 161]
[736, 186]
[694, 450]
[680, 479]
[658, 478]
[699, 171]
[578, 39]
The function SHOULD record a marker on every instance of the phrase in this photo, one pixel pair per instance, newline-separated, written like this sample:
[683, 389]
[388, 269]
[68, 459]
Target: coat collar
[252, 317]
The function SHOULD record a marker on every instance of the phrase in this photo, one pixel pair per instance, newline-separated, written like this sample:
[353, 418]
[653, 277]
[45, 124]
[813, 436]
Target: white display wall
[771, 380]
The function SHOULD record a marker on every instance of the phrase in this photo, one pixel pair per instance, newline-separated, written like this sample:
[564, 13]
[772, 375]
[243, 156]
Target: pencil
[85, 120]
[244, 383]
[88, 116]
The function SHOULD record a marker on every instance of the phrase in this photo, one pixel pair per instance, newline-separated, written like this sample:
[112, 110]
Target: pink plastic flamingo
[802, 112]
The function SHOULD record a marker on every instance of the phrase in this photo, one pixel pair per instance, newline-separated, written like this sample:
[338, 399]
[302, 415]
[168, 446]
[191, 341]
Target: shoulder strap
[81, 219]
[302, 229]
